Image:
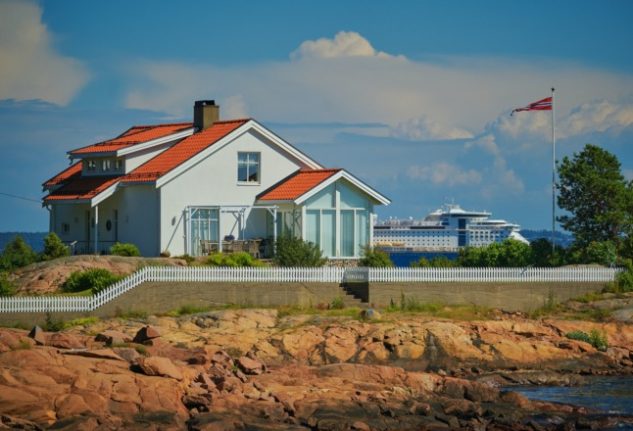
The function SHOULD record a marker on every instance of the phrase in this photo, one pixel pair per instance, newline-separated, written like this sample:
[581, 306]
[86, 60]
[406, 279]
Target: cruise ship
[444, 230]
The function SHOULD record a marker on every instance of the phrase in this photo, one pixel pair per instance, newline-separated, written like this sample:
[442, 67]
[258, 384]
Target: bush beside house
[124, 249]
[292, 251]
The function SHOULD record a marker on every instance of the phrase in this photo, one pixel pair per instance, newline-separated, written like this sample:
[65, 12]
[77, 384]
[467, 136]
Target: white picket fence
[35, 304]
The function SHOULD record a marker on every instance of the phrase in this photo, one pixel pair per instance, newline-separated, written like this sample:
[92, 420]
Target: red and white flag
[541, 105]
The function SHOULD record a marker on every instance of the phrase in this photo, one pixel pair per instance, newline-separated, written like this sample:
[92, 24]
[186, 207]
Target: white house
[210, 184]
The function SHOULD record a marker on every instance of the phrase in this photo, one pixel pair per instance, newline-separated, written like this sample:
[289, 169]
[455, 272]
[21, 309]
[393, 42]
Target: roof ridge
[150, 126]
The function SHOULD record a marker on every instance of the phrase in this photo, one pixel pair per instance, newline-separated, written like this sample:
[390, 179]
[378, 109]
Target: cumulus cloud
[345, 79]
[597, 116]
[344, 44]
[424, 128]
[30, 67]
[445, 174]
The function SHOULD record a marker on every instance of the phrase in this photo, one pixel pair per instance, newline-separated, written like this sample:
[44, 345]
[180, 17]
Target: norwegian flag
[541, 105]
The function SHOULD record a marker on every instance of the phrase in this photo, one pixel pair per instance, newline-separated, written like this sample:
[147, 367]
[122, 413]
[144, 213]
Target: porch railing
[305, 275]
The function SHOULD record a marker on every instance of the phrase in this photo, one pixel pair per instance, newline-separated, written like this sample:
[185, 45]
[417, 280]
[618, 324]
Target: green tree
[596, 196]
[16, 254]
[54, 247]
[293, 251]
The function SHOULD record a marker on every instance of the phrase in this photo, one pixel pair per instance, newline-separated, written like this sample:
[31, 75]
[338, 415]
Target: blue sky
[413, 97]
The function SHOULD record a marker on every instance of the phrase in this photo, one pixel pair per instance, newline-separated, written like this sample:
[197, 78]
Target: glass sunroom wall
[355, 209]
[205, 226]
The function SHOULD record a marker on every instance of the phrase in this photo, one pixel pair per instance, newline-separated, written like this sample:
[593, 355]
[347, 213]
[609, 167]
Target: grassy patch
[189, 309]
[82, 321]
[411, 305]
[596, 338]
[132, 314]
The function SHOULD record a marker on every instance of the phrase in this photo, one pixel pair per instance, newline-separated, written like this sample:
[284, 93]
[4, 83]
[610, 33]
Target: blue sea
[404, 259]
[611, 395]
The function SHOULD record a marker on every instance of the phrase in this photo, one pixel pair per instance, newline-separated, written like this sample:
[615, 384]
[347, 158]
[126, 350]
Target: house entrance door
[205, 226]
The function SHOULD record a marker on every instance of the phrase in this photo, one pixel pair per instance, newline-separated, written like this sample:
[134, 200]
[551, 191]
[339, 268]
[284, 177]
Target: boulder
[127, 353]
[250, 366]
[145, 334]
[64, 340]
[38, 335]
[111, 337]
[370, 314]
[99, 353]
[159, 366]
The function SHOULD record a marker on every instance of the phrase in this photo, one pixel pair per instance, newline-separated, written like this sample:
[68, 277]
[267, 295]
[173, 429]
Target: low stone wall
[507, 296]
[162, 297]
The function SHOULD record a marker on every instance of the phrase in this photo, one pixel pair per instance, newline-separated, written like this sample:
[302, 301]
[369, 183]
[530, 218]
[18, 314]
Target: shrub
[165, 253]
[595, 338]
[600, 252]
[124, 249]
[187, 258]
[16, 254]
[233, 260]
[509, 253]
[375, 258]
[7, 288]
[54, 247]
[95, 279]
[337, 303]
[436, 262]
[624, 280]
[292, 251]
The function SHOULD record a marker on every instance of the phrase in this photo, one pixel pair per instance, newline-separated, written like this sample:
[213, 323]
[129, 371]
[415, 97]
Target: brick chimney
[205, 113]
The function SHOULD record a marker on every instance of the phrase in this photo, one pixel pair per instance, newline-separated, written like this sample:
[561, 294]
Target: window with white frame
[248, 167]
[91, 165]
[106, 165]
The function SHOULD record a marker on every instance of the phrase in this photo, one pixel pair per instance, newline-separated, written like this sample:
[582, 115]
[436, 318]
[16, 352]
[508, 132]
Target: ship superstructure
[446, 229]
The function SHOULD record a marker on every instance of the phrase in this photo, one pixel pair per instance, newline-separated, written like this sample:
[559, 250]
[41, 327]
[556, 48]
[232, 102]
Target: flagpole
[553, 174]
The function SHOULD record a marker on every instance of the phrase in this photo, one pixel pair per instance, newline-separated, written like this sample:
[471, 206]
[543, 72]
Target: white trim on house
[227, 139]
[103, 195]
[155, 142]
[133, 148]
[349, 177]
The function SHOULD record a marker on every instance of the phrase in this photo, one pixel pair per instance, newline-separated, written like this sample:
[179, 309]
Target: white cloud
[344, 44]
[597, 116]
[424, 128]
[345, 79]
[30, 67]
[444, 174]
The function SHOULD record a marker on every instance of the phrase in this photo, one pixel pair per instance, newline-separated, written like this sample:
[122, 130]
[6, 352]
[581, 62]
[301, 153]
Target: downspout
[96, 229]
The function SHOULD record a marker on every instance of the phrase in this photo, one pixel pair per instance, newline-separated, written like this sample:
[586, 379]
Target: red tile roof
[297, 184]
[73, 170]
[74, 186]
[134, 135]
[81, 188]
[182, 151]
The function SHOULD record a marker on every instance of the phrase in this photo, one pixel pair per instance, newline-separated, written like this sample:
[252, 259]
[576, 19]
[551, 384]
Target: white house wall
[74, 215]
[213, 182]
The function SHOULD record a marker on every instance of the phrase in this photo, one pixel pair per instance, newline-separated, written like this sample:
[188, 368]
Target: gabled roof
[76, 187]
[182, 151]
[303, 184]
[133, 136]
[296, 185]
[82, 188]
[72, 171]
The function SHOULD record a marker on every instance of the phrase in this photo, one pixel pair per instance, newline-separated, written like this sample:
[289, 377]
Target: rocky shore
[254, 369]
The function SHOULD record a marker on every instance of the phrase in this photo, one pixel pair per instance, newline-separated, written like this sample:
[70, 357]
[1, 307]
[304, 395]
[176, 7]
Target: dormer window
[106, 165]
[118, 164]
[91, 165]
[248, 167]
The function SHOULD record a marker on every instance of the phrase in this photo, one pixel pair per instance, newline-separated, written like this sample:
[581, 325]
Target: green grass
[132, 314]
[82, 321]
[411, 305]
[596, 338]
[189, 309]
